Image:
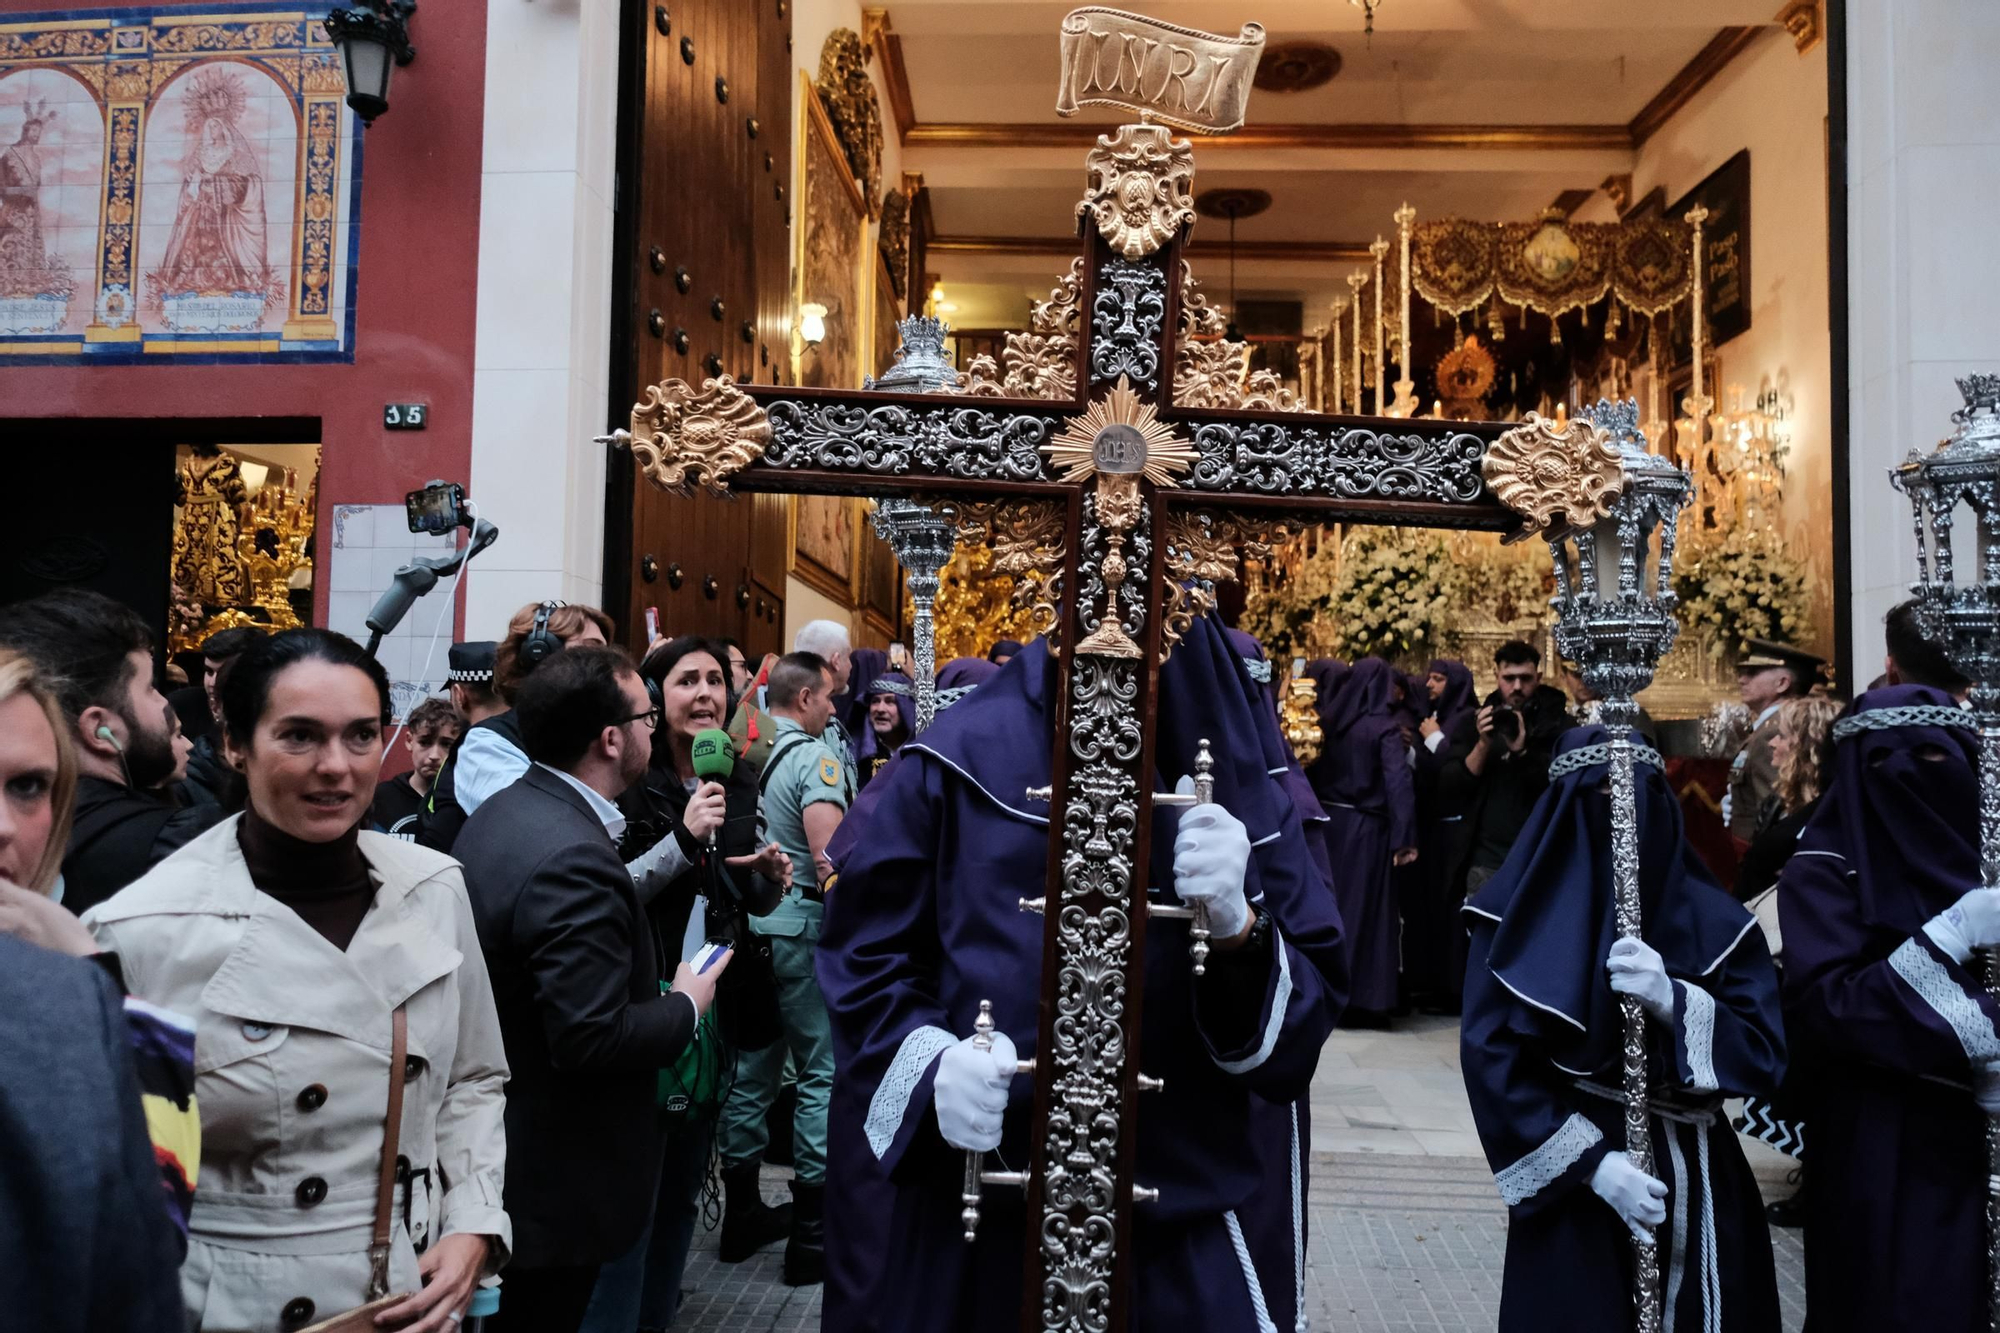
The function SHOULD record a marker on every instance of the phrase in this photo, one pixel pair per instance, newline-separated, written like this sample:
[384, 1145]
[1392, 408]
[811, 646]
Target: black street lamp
[373, 38]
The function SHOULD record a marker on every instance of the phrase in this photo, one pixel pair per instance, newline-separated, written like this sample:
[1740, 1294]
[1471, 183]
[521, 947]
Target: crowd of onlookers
[1427, 785]
[324, 1040]
[308, 1040]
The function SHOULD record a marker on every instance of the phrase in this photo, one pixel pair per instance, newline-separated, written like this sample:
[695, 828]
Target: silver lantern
[1610, 526]
[921, 536]
[1964, 618]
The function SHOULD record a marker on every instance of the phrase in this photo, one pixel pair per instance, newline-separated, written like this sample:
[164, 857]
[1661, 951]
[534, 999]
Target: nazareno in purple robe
[869, 755]
[1362, 779]
[1540, 1046]
[1893, 1027]
[925, 923]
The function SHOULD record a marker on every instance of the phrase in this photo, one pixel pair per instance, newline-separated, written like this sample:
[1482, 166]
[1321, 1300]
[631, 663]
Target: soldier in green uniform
[806, 789]
[1769, 674]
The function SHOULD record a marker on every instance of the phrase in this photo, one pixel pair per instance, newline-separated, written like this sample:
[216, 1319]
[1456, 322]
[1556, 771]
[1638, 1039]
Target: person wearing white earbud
[100, 655]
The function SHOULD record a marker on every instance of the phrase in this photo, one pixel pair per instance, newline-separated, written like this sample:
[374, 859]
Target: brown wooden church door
[700, 276]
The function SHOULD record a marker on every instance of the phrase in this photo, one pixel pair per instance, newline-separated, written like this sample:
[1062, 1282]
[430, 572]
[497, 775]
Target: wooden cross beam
[1118, 505]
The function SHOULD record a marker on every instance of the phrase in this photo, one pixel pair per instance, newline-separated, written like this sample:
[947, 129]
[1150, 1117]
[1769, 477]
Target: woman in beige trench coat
[292, 1046]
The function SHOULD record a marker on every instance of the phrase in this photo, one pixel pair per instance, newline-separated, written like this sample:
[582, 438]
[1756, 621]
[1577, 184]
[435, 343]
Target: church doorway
[198, 525]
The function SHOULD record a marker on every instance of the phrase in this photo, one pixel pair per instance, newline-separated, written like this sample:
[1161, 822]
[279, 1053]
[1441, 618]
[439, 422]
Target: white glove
[970, 1092]
[1211, 853]
[1639, 1200]
[1728, 807]
[1636, 970]
[1986, 1088]
[1973, 922]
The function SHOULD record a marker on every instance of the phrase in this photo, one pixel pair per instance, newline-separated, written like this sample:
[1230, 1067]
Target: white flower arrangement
[1743, 585]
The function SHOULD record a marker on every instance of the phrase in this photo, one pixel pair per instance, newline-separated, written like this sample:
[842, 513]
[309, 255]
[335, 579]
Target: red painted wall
[417, 260]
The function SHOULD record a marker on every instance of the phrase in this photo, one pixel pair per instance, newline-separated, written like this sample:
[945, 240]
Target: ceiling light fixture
[1367, 8]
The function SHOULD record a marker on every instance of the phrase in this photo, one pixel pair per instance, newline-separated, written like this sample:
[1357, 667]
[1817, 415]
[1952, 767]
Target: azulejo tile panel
[175, 184]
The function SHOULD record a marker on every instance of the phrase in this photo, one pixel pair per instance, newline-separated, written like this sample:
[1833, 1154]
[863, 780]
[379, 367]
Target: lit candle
[1357, 280]
[1339, 372]
[1379, 249]
[1406, 385]
[1698, 406]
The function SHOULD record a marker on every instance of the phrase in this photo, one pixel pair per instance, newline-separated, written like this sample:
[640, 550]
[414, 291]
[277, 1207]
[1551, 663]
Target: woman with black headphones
[490, 757]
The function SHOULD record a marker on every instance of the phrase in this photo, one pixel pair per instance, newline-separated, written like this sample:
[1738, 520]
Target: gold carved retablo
[1141, 188]
[1196, 80]
[1547, 469]
[683, 439]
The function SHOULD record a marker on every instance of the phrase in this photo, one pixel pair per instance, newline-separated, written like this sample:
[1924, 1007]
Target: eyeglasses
[651, 717]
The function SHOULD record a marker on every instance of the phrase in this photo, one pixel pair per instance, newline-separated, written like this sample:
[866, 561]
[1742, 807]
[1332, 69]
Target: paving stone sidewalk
[1407, 1234]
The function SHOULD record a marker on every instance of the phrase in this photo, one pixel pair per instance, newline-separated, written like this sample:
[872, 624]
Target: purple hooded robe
[1894, 1028]
[1363, 781]
[925, 923]
[1541, 1048]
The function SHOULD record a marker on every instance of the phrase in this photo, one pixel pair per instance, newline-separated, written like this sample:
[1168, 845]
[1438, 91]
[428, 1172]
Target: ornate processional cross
[1119, 469]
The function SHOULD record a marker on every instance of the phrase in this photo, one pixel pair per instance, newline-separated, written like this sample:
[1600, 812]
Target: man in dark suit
[85, 1244]
[576, 978]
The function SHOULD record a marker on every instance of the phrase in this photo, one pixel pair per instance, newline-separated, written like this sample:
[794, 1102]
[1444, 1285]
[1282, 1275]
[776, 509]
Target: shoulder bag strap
[771, 763]
[385, 1190]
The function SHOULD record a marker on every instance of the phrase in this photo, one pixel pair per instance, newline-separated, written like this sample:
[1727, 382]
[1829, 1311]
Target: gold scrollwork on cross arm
[1204, 548]
[1057, 316]
[1545, 469]
[682, 438]
[1027, 541]
[1140, 191]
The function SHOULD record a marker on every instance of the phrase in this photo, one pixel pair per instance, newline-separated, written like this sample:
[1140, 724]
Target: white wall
[541, 360]
[1772, 100]
[1923, 196]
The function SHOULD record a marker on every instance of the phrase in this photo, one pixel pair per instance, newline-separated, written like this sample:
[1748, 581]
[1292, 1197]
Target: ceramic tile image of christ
[216, 202]
[51, 153]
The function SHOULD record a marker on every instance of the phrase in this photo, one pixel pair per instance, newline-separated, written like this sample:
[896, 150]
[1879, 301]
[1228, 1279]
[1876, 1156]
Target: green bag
[692, 1087]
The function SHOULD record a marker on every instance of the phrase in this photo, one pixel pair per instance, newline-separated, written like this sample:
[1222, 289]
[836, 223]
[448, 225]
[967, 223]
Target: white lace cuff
[1698, 1032]
[1541, 1168]
[1935, 987]
[1281, 1000]
[891, 1101]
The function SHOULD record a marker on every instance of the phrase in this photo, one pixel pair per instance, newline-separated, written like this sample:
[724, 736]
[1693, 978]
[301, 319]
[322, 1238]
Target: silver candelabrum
[1964, 617]
[1614, 608]
[922, 538]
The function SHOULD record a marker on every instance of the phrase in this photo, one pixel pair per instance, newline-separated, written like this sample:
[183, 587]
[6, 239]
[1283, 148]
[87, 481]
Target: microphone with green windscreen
[714, 755]
[714, 761]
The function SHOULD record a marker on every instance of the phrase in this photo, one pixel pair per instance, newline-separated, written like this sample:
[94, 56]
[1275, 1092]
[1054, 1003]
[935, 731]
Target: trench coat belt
[343, 1222]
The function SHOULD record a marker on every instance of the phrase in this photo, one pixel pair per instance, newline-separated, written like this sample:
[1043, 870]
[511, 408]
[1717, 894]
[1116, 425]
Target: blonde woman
[87, 1236]
[1801, 750]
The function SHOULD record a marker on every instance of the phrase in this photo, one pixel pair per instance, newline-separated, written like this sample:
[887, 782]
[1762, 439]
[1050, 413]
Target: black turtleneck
[326, 883]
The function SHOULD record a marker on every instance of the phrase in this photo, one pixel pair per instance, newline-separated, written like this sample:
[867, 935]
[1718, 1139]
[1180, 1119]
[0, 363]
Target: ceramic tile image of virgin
[216, 209]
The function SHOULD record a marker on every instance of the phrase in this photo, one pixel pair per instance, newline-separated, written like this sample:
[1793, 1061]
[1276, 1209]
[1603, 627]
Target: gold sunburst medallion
[1120, 434]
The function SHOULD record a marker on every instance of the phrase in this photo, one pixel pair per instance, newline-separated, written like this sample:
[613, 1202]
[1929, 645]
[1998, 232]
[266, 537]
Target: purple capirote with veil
[1362, 778]
[1540, 1046]
[868, 752]
[925, 923]
[1460, 698]
[1893, 1028]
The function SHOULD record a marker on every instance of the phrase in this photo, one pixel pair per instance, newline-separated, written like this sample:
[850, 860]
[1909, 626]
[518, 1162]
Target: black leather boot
[748, 1223]
[805, 1252]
